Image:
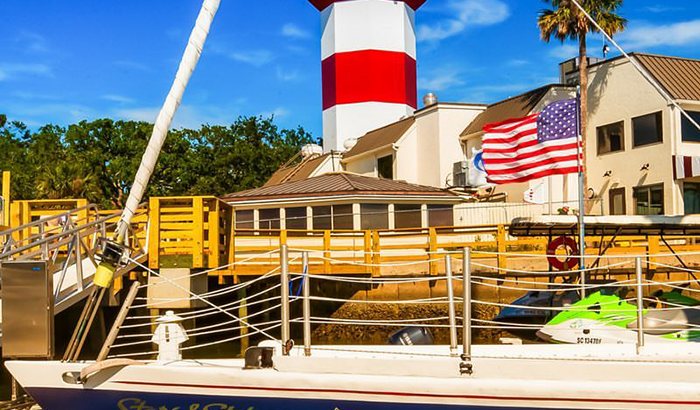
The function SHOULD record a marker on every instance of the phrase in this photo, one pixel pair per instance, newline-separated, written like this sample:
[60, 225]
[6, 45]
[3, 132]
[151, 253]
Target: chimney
[368, 52]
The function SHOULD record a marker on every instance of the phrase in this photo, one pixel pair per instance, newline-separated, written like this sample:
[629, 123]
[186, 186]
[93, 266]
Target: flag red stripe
[510, 140]
[544, 150]
[513, 153]
[510, 125]
[541, 174]
[531, 165]
[688, 166]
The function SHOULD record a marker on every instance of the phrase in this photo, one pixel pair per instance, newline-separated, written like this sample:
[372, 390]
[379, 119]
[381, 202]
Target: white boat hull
[505, 377]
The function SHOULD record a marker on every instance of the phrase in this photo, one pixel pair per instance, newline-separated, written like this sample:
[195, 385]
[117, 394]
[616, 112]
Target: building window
[440, 215]
[618, 205]
[689, 131]
[245, 219]
[322, 218]
[611, 138]
[374, 216]
[343, 217]
[649, 200]
[647, 129]
[407, 216]
[385, 167]
[295, 218]
[269, 219]
[691, 198]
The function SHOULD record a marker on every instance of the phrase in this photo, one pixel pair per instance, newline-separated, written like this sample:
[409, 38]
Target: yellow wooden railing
[197, 232]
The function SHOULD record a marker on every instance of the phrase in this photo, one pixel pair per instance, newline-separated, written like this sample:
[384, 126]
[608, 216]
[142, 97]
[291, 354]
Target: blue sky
[63, 61]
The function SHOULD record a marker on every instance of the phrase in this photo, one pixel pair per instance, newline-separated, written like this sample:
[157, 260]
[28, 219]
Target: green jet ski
[606, 317]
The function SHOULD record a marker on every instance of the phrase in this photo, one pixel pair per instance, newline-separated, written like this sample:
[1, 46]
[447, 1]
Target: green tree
[566, 22]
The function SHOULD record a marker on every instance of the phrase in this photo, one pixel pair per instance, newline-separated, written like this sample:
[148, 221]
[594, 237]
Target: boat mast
[167, 112]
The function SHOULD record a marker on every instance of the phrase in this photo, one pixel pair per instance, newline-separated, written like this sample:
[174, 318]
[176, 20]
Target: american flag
[536, 146]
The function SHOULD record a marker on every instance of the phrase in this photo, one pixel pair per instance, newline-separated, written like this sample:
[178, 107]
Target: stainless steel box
[27, 310]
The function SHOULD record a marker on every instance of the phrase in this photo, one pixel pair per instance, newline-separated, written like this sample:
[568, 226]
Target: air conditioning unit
[459, 173]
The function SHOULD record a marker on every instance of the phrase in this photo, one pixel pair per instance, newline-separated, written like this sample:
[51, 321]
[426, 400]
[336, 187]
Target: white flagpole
[581, 204]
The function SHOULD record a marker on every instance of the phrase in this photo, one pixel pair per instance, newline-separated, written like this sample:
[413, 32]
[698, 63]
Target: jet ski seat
[659, 322]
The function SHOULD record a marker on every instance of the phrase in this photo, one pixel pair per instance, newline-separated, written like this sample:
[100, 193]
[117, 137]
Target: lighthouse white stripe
[368, 25]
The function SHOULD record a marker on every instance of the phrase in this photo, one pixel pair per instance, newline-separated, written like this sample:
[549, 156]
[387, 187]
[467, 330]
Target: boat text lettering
[138, 404]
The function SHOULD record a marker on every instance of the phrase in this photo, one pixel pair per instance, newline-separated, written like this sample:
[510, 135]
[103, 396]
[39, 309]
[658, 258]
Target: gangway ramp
[69, 242]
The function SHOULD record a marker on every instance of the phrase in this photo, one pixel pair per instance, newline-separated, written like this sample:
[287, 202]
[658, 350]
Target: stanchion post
[451, 305]
[307, 305]
[640, 303]
[467, 304]
[284, 279]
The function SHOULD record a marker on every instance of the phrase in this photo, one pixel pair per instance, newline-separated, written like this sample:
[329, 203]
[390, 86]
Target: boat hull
[505, 377]
[58, 399]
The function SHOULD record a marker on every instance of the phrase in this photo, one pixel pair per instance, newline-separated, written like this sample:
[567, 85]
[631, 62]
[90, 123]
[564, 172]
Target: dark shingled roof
[296, 172]
[679, 76]
[381, 137]
[514, 107]
[338, 183]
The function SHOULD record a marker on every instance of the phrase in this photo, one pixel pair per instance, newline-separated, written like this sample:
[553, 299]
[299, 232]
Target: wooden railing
[197, 233]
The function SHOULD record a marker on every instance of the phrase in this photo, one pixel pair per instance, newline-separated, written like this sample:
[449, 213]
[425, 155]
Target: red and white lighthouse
[368, 65]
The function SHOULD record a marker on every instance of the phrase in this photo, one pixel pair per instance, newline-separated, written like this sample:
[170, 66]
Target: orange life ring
[571, 249]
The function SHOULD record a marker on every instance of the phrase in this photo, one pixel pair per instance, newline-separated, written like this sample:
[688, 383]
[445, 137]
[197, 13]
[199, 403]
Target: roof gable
[338, 183]
[680, 77]
[380, 138]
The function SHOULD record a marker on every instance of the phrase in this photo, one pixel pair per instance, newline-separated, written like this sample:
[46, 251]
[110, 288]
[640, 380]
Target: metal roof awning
[558, 225]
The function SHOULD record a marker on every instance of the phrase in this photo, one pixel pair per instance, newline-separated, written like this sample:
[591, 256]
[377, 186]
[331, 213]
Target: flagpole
[581, 204]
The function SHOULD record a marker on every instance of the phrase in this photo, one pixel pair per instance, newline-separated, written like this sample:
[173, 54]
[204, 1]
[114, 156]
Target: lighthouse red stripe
[322, 4]
[369, 76]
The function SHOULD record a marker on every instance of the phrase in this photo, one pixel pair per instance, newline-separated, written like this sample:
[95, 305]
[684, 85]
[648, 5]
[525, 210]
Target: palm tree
[567, 22]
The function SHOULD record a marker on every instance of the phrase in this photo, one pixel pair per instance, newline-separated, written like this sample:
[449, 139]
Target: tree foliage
[98, 160]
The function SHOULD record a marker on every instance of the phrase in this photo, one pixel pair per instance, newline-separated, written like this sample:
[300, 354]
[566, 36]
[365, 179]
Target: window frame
[659, 129]
[612, 192]
[648, 189]
[390, 157]
[622, 137]
[685, 124]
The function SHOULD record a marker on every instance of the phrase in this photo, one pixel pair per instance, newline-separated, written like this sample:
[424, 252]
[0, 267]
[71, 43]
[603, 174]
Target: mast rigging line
[643, 71]
[188, 63]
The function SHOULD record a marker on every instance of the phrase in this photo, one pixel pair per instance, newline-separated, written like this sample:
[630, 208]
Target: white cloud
[117, 98]
[35, 113]
[32, 42]
[463, 14]
[287, 75]
[441, 80]
[564, 51]
[294, 31]
[645, 35]
[12, 70]
[257, 58]
[659, 8]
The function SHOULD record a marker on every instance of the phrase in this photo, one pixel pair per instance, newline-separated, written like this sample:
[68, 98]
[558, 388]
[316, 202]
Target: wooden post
[154, 233]
[653, 248]
[432, 252]
[327, 252]
[501, 243]
[232, 244]
[368, 250]
[198, 232]
[243, 313]
[376, 254]
[6, 197]
[214, 234]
